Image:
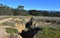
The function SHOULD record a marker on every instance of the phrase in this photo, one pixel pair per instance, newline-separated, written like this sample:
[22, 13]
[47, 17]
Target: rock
[19, 36]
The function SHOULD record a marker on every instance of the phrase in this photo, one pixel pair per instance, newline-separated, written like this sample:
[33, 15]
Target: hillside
[31, 26]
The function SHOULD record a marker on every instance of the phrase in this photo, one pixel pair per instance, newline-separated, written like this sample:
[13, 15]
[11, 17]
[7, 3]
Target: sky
[34, 4]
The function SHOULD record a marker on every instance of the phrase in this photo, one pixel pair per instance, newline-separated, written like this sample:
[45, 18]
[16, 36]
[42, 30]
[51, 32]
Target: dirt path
[4, 20]
[3, 31]
[2, 28]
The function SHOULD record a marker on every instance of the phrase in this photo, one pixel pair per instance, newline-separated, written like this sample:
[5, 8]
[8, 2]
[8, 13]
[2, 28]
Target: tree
[21, 10]
[35, 12]
[20, 7]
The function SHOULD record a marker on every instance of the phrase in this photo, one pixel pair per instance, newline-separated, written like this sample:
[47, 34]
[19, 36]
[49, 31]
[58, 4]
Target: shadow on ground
[31, 32]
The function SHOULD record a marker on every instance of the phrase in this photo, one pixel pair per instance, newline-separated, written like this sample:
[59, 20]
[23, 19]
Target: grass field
[49, 31]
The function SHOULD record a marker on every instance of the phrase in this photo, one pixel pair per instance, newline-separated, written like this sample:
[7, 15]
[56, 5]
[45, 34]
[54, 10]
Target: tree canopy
[6, 10]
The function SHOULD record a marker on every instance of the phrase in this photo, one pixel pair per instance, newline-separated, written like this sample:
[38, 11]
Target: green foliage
[11, 30]
[6, 10]
[49, 32]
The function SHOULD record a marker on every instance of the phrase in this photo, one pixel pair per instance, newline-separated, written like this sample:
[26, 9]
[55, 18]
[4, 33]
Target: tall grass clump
[48, 32]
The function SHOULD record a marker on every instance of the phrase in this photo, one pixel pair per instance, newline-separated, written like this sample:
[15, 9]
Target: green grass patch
[11, 30]
[48, 32]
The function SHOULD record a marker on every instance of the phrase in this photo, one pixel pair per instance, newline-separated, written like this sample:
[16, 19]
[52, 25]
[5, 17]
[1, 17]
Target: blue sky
[34, 4]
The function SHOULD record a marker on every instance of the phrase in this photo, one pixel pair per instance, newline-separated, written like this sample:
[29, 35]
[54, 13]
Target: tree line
[44, 13]
[6, 10]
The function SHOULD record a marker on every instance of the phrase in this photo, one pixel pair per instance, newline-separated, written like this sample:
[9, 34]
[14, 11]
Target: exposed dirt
[3, 31]
[4, 20]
